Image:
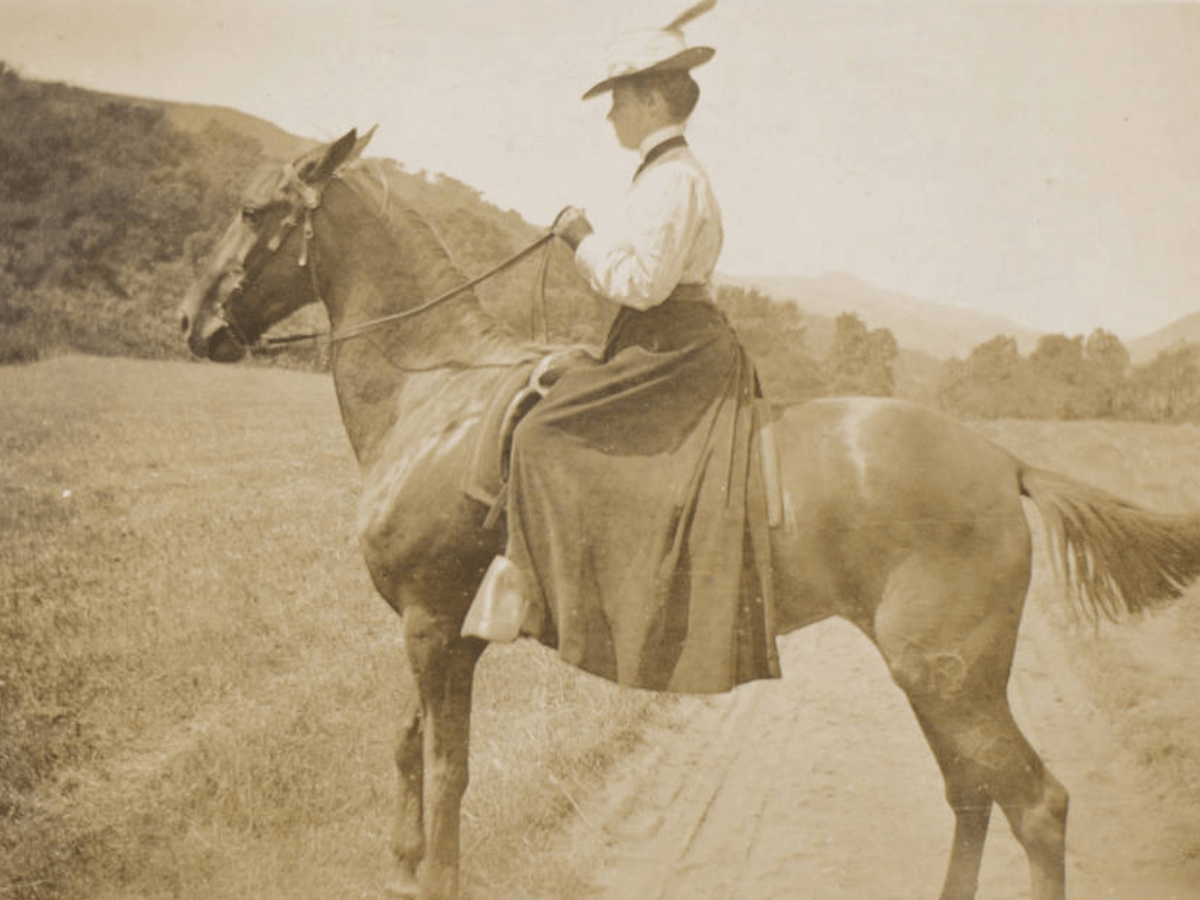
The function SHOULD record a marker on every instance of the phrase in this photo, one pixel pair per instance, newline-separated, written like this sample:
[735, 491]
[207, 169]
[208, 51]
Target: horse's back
[873, 484]
[878, 453]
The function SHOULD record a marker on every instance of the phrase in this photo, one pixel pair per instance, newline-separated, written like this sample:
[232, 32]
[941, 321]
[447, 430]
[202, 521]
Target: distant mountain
[936, 329]
[1177, 334]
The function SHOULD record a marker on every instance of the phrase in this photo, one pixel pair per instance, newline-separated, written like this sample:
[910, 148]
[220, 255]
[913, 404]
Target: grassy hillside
[198, 686]
[198, 118]
[104, 204]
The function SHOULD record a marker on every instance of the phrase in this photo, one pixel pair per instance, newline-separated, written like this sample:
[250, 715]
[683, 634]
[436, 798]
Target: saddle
[513, 397]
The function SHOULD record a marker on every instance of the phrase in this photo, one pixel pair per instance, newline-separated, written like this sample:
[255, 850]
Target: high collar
[660, 149]
[654, 138]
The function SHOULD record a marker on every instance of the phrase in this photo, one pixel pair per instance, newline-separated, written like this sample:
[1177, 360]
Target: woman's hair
[677, 87]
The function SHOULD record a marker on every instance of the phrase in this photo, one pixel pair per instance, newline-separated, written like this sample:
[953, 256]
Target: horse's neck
[367, 269]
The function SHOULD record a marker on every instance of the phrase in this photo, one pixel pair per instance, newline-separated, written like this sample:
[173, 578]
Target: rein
[306, 199]
[372, 324]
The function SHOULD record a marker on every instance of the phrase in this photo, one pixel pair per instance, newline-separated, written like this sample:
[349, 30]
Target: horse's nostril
[184, 322]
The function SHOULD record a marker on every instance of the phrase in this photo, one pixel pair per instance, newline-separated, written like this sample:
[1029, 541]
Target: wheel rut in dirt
[822, 786]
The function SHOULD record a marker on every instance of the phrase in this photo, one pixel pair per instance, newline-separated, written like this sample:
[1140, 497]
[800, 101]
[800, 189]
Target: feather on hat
[653, 50]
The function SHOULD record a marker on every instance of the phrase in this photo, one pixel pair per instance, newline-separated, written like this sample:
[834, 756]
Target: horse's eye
[251, 215]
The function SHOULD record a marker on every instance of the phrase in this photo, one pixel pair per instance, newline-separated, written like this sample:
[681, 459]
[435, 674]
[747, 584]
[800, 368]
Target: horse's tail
[1117, 557]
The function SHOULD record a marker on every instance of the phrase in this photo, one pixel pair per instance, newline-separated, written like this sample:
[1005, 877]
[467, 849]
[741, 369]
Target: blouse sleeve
[641, 266]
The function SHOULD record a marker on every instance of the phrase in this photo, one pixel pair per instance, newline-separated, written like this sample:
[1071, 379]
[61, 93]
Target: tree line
[794, 365]
[1072, 378]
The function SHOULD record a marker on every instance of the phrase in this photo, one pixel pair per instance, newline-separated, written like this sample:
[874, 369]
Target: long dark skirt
[636, 508]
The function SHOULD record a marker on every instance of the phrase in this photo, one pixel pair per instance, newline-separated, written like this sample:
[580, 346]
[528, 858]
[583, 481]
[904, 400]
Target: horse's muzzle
[212, 339]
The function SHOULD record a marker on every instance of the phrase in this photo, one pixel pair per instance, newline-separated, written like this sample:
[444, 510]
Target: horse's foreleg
[408, 843]
[443, 664]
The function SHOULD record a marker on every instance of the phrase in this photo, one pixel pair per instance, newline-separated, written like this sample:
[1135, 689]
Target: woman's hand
[572, 226]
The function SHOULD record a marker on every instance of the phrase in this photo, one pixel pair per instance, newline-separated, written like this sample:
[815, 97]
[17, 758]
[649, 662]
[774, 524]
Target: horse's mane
[383, 186]
[379, 184]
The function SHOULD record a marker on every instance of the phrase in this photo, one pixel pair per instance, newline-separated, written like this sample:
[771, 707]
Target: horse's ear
[360, 145]
[336, 154]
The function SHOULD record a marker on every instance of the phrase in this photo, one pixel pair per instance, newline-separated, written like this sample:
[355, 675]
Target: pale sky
[1035, 160]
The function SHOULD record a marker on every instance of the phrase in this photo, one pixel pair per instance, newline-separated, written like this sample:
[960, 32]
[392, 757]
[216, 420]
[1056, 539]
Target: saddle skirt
[514, 396]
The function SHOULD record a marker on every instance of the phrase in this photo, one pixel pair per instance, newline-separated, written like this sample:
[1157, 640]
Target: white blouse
[671, 232]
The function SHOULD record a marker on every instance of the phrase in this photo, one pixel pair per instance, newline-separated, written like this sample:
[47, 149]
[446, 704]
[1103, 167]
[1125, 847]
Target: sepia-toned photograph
[658, 450]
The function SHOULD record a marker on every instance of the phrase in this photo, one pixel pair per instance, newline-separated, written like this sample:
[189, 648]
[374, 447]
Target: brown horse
[903, 522]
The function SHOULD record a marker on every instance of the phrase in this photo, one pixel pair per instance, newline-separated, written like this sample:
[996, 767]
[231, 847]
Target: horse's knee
[427, 644]
[450, 772]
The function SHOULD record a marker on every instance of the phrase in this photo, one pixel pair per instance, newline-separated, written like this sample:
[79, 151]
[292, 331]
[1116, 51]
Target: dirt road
[822, 787]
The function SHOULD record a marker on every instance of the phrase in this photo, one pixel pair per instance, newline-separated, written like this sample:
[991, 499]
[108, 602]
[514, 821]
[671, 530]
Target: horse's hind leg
[984, 757]
[972, 806]
[408, 842]
[947, 627]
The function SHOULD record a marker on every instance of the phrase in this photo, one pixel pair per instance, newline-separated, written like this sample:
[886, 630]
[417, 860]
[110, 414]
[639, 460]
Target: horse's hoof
[402, 885]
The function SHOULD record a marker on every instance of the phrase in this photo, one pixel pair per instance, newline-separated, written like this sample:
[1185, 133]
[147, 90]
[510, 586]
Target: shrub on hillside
[101, 201]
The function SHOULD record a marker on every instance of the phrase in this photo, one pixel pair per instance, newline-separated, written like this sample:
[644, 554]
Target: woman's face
[633, 114]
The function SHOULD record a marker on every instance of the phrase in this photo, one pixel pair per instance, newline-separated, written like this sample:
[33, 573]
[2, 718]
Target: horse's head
[259, 272]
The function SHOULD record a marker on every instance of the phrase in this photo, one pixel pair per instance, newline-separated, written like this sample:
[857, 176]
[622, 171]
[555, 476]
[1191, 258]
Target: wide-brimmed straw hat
[653, 50]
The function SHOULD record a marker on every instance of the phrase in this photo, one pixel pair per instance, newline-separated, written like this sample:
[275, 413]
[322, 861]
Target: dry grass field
[198, 686]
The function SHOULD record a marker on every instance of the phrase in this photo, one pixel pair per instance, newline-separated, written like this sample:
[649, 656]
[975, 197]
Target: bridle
[306, 199]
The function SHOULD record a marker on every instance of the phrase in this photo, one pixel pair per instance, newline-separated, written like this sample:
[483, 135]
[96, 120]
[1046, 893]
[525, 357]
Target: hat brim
[685, 59]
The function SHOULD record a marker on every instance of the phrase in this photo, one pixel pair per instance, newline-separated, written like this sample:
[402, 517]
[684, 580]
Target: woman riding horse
[905, 523]
[637, 538]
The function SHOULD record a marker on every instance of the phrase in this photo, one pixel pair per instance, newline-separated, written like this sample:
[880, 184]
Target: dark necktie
[658, 150]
